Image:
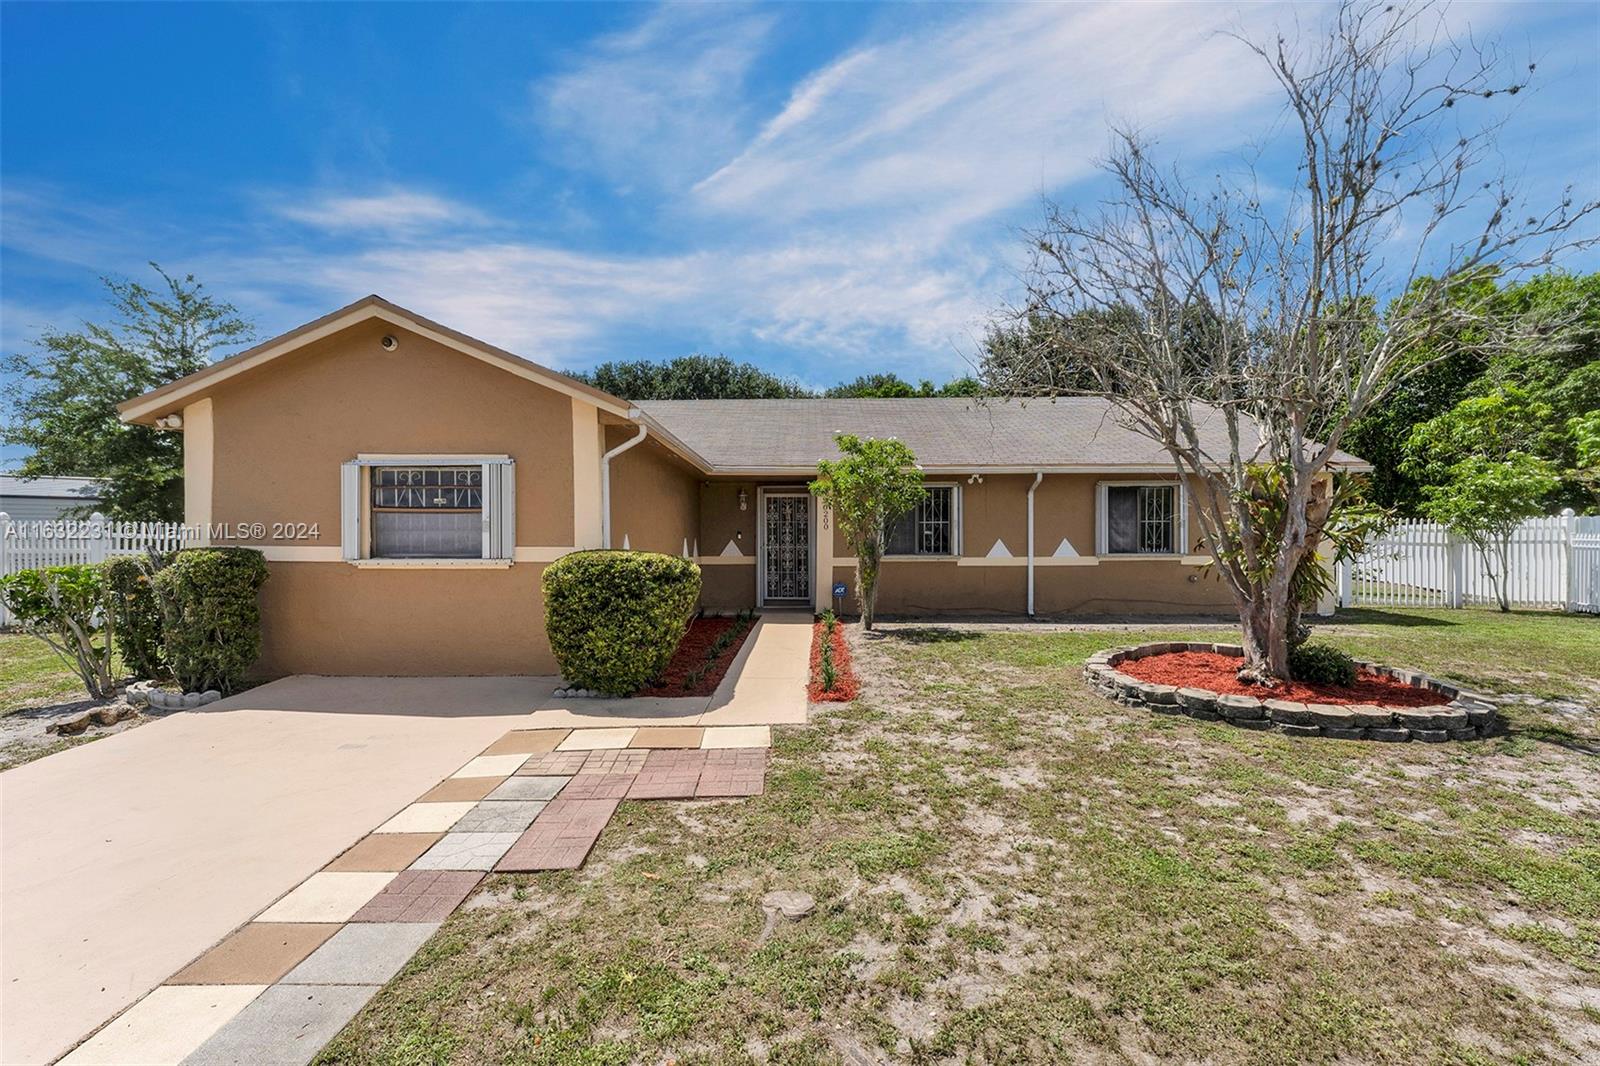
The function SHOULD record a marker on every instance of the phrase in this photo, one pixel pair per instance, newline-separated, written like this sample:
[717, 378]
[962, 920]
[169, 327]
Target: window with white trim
[929, 528]
[1140, 519]
[423, 508]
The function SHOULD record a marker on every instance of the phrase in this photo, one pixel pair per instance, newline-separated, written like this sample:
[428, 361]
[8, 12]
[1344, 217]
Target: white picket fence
[1554, 563]
[62, 542]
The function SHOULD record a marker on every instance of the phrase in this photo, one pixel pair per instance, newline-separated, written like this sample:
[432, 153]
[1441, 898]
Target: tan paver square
[554, 764]
[669, 774]
[385, 851]
[327, 897]
[591, 739]
[457, 789]
[737, 736]
[425, 818]
[258, 954]
[561, 837]
[164, 1026]
[420, 896]
[596, 787]
[527, 742]
[614, 761]
[733, 772]
[667, 736]
[492, 766]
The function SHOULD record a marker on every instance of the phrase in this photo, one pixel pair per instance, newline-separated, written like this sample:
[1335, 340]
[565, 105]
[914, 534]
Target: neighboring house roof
[58, 488]
[789, 436]
[173, 395]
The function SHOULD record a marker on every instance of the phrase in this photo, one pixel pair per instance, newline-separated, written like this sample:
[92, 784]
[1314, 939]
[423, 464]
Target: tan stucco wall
[655, 499]
[727, 587]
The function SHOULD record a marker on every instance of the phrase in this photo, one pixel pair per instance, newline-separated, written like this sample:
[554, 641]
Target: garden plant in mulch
[1219, 673]
[833, 680]
[704, 654]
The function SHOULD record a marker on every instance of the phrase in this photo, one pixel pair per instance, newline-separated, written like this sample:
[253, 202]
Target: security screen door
[786, 570]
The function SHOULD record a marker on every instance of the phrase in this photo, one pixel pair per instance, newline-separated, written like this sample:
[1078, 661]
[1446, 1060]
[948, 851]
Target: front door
[786, 540]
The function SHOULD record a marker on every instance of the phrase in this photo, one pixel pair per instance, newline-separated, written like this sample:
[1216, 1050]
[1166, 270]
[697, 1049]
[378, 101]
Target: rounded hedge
[1321, 664]
[614, 618]
[135, 614]
[211, 620]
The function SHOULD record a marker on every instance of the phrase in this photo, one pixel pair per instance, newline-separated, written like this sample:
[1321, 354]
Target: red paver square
[733, 772]
[561, 836]
[614, 761]
[553, 764]
[588, 786]
[419, 896]
[668, 775]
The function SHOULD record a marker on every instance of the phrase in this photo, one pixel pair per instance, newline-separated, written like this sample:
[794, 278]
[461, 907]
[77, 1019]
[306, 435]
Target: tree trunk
[1264, 623]
[867, 588]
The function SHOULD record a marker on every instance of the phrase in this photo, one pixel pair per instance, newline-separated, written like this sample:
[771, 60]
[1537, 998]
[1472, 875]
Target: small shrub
[1321, 664]
[210, 615]
[614, 618]
[135, 614]
[64, 606]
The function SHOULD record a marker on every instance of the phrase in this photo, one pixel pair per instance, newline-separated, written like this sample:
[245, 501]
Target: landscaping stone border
[1467, 716]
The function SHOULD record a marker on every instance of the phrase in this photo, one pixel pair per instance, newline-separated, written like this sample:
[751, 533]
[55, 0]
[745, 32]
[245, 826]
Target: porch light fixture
[744, 500]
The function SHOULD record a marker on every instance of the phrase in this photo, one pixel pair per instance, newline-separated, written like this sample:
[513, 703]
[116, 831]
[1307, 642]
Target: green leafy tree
[873, 484]
[1489, 427]
[1484, 500]
[65, 607]
[690, 377]
[64, 393]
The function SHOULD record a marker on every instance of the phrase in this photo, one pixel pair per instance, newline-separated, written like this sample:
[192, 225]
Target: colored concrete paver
[467, 851]
[733, 772]
[327, 897]
[667, 736]
[598, 787]
[384, 851]
[614, 761]
[527, 742]
[164, 1026]
[366, 954]
[554, 764]
[737, 736]
[668, 774]
[499, 816]
[530, 788]
[591, 739]
[420, 896]
[425, 818]
[561, 837]
[257, 954]
[285, 1026]
[457, 789]
[492, 766]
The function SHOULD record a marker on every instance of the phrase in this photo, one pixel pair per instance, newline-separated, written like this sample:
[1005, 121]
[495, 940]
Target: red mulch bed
[1208, 670]
[691, 656]
[845, 685]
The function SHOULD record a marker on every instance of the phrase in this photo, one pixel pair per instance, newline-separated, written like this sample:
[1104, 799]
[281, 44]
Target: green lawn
[1011, 869]
[31, 673]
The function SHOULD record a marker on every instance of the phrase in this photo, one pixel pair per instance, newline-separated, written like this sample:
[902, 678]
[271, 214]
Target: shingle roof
[771, 436]
[75, 488]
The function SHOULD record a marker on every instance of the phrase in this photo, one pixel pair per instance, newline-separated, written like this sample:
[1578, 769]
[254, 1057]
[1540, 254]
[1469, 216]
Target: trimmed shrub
[210, 616]
[1321, 664]
[135, 614]
[614, 618]
[64, 606]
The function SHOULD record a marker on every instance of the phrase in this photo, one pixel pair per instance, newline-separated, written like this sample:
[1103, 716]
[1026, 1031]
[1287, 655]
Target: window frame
[1102, 518]
[955, 525]
[497, 520]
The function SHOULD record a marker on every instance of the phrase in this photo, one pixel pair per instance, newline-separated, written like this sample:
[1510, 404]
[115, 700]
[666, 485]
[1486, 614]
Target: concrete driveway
[122, 860]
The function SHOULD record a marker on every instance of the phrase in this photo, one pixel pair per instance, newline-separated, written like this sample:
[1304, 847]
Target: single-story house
[47, 499]
[408, 484]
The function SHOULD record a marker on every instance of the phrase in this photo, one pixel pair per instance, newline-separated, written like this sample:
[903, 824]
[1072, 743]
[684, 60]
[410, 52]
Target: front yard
[1008, 868]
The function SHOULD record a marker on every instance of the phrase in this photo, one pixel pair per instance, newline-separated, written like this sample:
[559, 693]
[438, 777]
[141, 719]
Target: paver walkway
[278, 988]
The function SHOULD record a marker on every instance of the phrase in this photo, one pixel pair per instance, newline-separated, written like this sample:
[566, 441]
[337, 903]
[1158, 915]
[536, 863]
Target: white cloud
[394, 208]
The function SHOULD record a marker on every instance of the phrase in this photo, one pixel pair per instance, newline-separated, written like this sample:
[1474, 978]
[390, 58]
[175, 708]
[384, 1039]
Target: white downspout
[605, 479]
[1037, 477]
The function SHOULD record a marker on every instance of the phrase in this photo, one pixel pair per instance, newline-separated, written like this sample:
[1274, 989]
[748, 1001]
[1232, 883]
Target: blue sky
[823, 189]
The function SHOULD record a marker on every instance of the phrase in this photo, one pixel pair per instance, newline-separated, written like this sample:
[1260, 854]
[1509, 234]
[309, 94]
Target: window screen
[928, 528]
[1141, 519]
[427, 512]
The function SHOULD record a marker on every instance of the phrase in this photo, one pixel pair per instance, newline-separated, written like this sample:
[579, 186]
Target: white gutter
[605, 480]
[1037, 477]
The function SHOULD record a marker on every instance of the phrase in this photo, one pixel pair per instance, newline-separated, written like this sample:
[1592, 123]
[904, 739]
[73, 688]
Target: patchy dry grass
[37, 688]
[1010, 869]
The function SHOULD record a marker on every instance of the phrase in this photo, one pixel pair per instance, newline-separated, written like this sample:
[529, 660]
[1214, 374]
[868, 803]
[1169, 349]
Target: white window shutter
[350, 510]
[500, 509]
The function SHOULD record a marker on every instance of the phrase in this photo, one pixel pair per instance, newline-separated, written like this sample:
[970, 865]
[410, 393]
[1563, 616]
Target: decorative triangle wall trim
[686, 547]
[625, 545]
[731, 551]
[1065, 550]
[999, 551]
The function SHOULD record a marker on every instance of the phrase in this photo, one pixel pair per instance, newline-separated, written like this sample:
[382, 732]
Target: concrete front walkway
[126, 858]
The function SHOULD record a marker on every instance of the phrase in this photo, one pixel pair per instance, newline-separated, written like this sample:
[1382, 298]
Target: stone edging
[1466, 717]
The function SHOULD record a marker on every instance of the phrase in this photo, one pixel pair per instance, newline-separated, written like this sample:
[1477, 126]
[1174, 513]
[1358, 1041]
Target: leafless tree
[1223, 307]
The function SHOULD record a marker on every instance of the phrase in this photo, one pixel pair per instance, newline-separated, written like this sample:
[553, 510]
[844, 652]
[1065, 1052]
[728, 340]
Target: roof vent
[389, 342]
